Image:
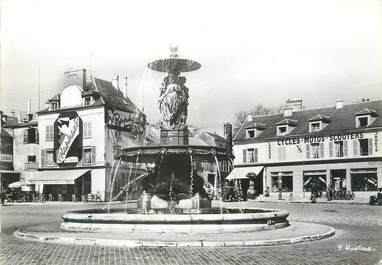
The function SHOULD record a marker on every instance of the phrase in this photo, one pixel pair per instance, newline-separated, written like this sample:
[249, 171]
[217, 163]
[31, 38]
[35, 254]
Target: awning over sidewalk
[57, 177]
[242, 172]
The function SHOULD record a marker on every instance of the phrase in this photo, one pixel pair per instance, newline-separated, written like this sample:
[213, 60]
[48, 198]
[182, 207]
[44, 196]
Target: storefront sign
[320, 138]
[68, 139]
[6, 158]
[133, 123]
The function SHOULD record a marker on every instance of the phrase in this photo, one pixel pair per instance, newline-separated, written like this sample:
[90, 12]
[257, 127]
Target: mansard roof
[320, 117]
[366, 111]
[341, 120]
[289, 122]
[255, 125]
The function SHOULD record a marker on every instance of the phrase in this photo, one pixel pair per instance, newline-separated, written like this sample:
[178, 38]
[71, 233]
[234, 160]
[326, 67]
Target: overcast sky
[251, 51]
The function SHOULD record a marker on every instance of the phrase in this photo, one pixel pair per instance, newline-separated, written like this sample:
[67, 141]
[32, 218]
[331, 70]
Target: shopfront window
[364, 180]
[286, 181]
[314, 182]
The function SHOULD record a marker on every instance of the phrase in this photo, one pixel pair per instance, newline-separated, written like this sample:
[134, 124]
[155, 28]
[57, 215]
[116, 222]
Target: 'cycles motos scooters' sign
[67, 139]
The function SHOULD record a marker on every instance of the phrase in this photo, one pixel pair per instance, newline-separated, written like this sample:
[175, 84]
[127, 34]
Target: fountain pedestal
[177, 135]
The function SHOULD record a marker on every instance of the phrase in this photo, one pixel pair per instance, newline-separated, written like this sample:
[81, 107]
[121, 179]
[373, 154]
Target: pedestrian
[2, 196]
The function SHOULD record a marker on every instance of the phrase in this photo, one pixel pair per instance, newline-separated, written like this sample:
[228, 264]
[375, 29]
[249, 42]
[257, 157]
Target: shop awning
[242, 172]
[57, 177]
[18, 184]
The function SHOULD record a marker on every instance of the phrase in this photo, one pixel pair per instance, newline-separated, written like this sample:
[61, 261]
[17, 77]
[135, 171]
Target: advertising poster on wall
[68, 139]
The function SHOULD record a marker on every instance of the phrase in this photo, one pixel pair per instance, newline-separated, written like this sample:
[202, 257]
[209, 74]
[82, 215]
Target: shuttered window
[93, 154]
[370, 146]
[43, 159]
[307, 151]
[87, 132]
[322, 153]
[49, 133]
[355, 147]
[330, 149]
[89, 155]
[345, 148]
[244, 156]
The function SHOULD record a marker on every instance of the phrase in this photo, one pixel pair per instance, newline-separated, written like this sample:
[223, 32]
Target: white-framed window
[47, 157]
[54, 105]
[362, 121]
[250, 155]
[338, 149]
[87, 129]
[87, 101]
[363, 147]
[315, 150]
[315, 126]
[49, 133]
[251, 133]
[89, 155]
[282, 129]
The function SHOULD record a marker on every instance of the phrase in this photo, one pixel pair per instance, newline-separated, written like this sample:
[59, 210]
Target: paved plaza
[358, 240]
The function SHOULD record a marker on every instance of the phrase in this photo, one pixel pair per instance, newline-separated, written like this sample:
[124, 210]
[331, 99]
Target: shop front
[62, 185]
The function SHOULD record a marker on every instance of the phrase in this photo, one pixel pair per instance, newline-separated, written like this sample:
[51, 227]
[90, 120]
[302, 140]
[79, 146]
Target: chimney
[115, 81]
[339, 104]
[295, 104]
[75, 77]
[288, 112]
[249, 117]
[124, 86]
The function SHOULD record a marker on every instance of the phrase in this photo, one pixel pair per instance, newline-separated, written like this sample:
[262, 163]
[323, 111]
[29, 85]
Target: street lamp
[280, 182]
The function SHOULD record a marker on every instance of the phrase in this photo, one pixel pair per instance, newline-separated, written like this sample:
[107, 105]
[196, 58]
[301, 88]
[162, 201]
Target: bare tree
[258, 109]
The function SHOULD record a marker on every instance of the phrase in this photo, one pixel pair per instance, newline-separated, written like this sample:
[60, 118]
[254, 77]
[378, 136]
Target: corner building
[82, 129]
[338, 146]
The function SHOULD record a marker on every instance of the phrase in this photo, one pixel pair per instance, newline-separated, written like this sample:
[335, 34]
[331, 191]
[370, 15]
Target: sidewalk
[307, 200]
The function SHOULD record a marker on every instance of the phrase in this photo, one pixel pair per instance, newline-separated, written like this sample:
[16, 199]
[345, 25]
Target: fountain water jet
[174, 199]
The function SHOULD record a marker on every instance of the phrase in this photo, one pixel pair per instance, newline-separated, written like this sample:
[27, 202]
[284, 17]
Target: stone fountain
[174, 199]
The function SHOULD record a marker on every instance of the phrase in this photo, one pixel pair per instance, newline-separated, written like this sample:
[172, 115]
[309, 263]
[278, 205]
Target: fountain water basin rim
[241, 220]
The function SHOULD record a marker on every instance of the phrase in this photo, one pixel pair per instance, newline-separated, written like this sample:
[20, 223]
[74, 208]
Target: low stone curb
[199, 243]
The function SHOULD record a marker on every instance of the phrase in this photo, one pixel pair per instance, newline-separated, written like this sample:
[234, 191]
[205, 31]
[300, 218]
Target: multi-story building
[80, 131]
[339, 145]
[25, 146]
[7, 173]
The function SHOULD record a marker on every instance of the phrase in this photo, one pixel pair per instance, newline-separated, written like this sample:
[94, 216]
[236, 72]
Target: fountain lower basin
[207, 221]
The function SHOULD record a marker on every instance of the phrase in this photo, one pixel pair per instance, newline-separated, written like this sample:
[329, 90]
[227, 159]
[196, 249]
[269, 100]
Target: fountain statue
[174, 197]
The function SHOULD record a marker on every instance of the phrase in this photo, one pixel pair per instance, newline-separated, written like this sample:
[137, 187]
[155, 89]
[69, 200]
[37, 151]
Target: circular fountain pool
[209, 220]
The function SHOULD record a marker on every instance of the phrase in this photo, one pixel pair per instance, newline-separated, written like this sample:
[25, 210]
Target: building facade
[7, 173]
[338, 146]
[83, 127]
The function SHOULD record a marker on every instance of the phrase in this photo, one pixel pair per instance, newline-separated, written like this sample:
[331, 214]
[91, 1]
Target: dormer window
[281, 130]
[285, 126]
[365, 118]
[54, 105]
[87, 101]
[251, 133]
[315, 126]
[363, 121]
[318, 123]
[253, 130]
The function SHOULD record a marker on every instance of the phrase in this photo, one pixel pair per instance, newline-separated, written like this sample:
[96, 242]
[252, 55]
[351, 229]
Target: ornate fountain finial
[174, 51]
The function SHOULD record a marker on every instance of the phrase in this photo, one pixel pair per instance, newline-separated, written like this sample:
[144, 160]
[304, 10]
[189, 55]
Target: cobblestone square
[358, 240]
